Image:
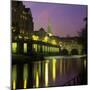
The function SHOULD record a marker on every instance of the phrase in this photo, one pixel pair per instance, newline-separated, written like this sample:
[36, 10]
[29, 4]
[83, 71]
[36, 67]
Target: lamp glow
[34, 37]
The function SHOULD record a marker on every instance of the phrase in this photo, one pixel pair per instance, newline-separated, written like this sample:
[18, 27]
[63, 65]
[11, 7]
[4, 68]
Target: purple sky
[65, 20]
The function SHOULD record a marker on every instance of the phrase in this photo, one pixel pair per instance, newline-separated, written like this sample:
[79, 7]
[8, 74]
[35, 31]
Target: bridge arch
[74, 52]
[64, 52]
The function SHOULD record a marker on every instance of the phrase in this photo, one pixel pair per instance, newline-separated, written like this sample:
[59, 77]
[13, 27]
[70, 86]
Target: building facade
[22, 21]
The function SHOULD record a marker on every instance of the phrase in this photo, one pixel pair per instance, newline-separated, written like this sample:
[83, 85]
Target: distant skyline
[64, 19]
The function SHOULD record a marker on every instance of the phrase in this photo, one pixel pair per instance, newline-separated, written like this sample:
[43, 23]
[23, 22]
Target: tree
[83, 36]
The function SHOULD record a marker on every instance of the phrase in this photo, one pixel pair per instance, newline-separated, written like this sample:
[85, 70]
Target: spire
[49, 28]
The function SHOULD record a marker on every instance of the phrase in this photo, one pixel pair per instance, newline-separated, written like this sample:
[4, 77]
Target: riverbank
[64, 57]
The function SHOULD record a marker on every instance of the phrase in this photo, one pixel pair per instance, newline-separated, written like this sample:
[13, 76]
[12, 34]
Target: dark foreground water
[50, 72]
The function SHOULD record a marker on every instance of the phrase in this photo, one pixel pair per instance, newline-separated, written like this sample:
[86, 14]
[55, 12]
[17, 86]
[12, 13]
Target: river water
[49, 72]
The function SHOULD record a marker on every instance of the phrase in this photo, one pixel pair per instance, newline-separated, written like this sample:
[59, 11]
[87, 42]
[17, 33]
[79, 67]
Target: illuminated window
[14, 47]
[45, 39]
[53, 49]
[39, 48]
[50, 49]
[35, 47]
[47, 49]
[34, 37]
[53, 42]
[43, 48]
[19, 36]
[25, 47]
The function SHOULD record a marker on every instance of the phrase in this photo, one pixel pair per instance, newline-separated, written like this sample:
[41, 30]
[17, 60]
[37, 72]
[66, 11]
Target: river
[50, 72]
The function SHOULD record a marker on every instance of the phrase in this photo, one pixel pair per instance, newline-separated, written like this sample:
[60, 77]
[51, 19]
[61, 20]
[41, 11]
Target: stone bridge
[71, 46]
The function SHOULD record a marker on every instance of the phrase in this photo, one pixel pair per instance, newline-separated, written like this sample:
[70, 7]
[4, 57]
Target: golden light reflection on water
[25, 75]
[14, 76]
[43, 70]
[37, 79]
[14, 84]
[39, 68]
[25, 71]
[85, 63]
[46, 74]
[14, 72]
[64, 67]
[25, 84]
[54, 69]
[61, 63]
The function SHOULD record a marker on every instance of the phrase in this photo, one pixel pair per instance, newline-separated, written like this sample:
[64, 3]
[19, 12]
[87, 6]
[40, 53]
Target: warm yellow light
[14, 30]
[39, 68]
[54, 69]
[25, 47]
[38, 48]
[50, 34]
[43, 48]
[25, 72]
[26, 38]
[14, 47]
[61, 63]
[20, 37]
[54, 42]
[35, 47]
[34, 37]
[14, 84]
[46, 74]
[45, 39]
[85, 63]
[37, 79]
[25, 75]
[14, 72]
[25, 84]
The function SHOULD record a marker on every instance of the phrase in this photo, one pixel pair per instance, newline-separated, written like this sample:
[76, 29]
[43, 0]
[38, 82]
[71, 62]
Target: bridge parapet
[69, 46]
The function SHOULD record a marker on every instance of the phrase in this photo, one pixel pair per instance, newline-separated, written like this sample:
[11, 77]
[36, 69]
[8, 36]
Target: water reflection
[25, 84]
[14, 76]
[37, 79]
[46, 73]
[85, 63]
[61, 69]
[54, 69]
[25, 75]
[14, 84]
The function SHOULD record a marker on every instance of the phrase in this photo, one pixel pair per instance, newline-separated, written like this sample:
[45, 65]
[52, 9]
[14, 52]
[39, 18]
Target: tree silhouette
[83, 37]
